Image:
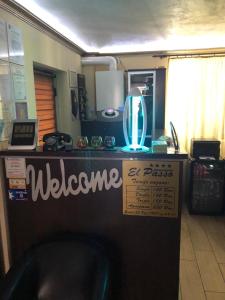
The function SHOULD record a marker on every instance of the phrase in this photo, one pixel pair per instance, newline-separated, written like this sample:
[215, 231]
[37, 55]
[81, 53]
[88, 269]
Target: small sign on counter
[17, 183]
[15, 167]
[18, 195]
[150, 188]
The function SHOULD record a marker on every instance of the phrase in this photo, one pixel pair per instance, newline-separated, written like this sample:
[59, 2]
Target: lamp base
[135, 150]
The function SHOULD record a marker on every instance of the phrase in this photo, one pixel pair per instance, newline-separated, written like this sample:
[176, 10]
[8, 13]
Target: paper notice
[150, 188]
[15, 167]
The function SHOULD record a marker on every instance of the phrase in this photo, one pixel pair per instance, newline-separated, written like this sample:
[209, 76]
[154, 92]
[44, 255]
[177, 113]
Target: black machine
[207, 177]
[57, 141]
[23, 135]
[205, 148]
[207, 187]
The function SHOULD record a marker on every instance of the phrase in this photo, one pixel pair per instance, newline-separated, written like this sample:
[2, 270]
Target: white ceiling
[116, 26]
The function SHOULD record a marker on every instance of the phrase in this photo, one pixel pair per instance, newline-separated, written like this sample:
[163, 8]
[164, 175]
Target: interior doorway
[45, 103]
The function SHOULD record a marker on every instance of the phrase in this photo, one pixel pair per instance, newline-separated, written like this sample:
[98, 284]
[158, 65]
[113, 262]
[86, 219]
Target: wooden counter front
[132, 201]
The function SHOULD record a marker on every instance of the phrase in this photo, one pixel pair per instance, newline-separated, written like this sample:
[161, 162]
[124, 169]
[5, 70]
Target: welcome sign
[59, 185]
[150, 188]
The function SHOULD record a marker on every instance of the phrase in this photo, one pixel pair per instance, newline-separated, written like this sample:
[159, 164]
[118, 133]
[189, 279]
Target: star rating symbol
[11, 196]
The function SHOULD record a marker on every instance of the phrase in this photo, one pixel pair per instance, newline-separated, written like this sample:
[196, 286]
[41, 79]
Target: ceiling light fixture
[172, 42]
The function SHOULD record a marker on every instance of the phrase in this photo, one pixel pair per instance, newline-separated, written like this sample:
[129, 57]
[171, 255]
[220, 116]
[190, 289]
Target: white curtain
[195, 99]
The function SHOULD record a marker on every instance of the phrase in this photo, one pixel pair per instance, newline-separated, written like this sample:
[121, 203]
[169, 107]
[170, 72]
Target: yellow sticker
[151, 188]
[17, 183]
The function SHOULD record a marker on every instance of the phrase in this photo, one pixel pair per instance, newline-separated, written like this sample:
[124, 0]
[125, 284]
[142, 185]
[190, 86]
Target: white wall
[125, 62]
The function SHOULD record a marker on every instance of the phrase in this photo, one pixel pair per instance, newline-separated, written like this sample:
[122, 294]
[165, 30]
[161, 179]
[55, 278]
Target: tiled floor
[202, 257]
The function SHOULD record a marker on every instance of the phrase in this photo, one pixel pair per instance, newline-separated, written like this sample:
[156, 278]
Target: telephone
[57, 141]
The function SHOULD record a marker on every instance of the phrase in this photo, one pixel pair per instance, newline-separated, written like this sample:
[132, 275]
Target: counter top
[101, 152]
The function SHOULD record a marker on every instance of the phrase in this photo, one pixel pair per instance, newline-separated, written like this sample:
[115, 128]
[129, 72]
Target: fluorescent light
[133, 103]
[171, 42]
[135, 108]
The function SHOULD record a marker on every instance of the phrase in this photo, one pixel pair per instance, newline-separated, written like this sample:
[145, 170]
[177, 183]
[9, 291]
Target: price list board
[150, 188]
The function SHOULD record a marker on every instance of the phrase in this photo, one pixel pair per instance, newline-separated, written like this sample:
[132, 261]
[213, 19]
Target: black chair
[67, 268]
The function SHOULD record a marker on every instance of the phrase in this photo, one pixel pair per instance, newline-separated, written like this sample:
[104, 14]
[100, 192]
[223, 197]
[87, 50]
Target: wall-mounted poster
[150, 188]
[3, 38]
[6, 115]
[6, 104]
[21, 111]
[18, 80]
[2, 126]
[16, 52]
[5, 81]
[12, 76]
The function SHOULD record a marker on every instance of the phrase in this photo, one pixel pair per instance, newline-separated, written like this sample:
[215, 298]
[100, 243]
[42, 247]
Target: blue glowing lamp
[134, 129]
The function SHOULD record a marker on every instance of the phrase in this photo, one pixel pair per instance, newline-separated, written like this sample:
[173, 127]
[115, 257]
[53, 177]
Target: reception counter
[132, 201]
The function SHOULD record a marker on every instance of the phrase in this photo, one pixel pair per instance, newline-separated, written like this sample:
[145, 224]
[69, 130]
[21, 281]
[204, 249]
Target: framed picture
[72, 79]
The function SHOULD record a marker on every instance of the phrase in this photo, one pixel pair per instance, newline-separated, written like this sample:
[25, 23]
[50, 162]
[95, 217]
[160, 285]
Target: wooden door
[45, 104]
